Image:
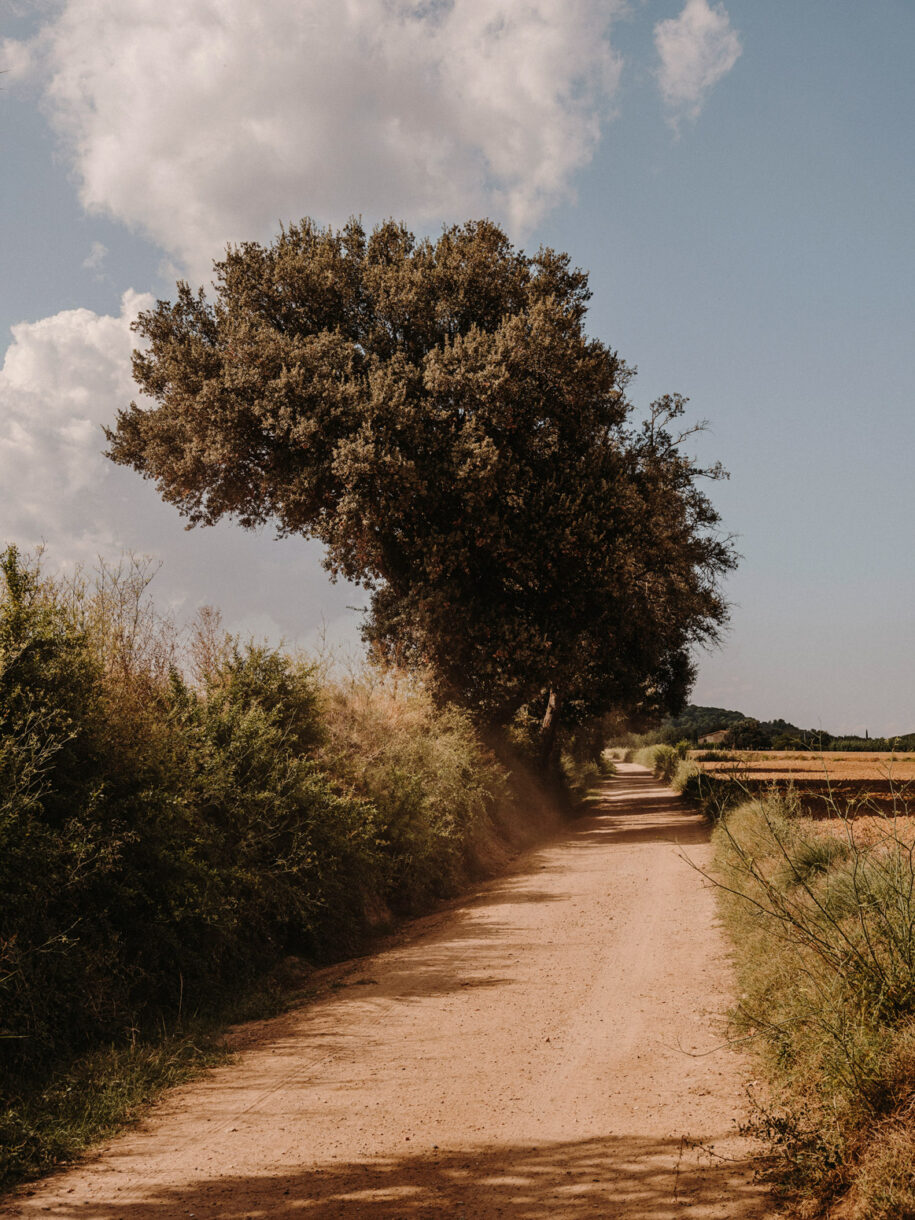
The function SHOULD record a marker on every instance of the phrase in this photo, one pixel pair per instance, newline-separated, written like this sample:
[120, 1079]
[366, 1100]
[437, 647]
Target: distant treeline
[746, 733]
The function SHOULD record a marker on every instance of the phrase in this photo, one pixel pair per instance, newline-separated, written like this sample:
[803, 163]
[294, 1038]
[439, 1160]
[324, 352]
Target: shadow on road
[616, 1178]
[455, 949]
[633, 808]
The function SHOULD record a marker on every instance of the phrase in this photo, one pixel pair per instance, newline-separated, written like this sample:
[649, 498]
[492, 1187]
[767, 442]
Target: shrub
[161, 860]
[175, 820]
[581, 774]
[687, 778]
[424, 771]
[662, 760]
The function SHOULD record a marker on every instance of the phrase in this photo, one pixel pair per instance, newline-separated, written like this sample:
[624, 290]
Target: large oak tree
[437, 416]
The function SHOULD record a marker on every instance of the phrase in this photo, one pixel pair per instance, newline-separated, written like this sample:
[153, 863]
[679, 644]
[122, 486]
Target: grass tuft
[44, 1126]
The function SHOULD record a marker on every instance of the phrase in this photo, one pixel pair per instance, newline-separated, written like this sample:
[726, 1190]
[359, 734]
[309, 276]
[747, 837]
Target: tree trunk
[548, 727]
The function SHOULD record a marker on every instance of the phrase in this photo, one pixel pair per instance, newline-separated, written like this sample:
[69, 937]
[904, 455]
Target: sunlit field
[861, 783]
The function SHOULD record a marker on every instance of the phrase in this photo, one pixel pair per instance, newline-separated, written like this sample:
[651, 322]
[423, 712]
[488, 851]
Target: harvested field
[856, 783]
[869, 830]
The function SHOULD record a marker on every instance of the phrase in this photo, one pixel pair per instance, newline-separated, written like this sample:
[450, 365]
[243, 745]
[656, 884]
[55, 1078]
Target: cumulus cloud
[62, 379]
[696, 50]
[58, 384]
[210, 122]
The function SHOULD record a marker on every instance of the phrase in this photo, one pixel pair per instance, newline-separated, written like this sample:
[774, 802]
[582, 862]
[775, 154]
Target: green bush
[164, 871]
[687, 778]
[174, 823]
[580, 775]
[662, 760]
[424, 772]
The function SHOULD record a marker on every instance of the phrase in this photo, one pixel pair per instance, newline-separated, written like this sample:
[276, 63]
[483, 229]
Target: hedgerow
[177, 815]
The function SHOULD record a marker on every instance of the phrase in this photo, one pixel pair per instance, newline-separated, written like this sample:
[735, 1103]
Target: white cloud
[696, 50]
[62, 379]
[59, 381]
[95, 257]
[208, 122]
[16, 59]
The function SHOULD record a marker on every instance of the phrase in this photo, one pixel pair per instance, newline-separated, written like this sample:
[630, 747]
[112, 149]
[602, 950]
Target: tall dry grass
[823, 919]
[428, 777]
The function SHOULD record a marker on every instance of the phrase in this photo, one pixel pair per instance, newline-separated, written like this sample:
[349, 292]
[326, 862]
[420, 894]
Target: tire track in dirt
[544, 1048]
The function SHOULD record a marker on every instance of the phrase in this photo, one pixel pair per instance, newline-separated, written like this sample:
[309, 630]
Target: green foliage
[133, 881]
[662, 760]
[687, 778]
[746, 733]
[824, 921]
[581, 774]
[436, 415]
[93, 1096]
[165, 838]
[422, 768]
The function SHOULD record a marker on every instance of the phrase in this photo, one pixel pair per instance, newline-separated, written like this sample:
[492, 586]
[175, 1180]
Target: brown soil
[854, 784]
[817, 768]
[548, 1047]
[870, 831]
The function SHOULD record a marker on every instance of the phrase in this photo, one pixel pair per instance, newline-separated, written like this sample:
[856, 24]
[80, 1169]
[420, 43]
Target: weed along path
[547, 1047]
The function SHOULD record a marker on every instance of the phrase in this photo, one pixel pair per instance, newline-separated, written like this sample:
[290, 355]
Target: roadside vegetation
[181, 813]
[674, 765]
[822, 914]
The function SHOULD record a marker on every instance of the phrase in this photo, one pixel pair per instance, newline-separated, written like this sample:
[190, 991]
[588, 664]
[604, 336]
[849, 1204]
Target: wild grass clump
[661, 760]
[178, 814]
[422, 769]
[824, 922]
[687, 777]
[584, 761]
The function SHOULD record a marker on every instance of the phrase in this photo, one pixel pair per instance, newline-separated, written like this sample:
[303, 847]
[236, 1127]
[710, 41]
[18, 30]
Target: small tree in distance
[435, 414]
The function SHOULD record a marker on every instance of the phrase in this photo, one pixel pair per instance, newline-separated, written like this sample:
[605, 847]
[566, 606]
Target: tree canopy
[436, 415]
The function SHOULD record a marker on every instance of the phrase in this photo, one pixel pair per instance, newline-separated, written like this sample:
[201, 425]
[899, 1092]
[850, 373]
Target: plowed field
[859, 782]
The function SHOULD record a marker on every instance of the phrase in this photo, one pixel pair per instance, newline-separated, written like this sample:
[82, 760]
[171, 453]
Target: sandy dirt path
[545, 1048]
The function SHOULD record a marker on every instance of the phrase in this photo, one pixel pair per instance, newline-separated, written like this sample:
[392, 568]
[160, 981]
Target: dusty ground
[548, 1048]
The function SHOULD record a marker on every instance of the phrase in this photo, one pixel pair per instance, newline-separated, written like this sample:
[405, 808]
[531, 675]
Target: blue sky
[739, 179]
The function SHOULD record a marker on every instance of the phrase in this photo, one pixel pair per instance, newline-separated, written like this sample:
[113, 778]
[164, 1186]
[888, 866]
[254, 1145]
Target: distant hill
[694, 722]
[747, 733]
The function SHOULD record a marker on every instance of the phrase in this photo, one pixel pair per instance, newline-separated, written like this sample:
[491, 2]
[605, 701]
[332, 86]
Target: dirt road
[546, 1048]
